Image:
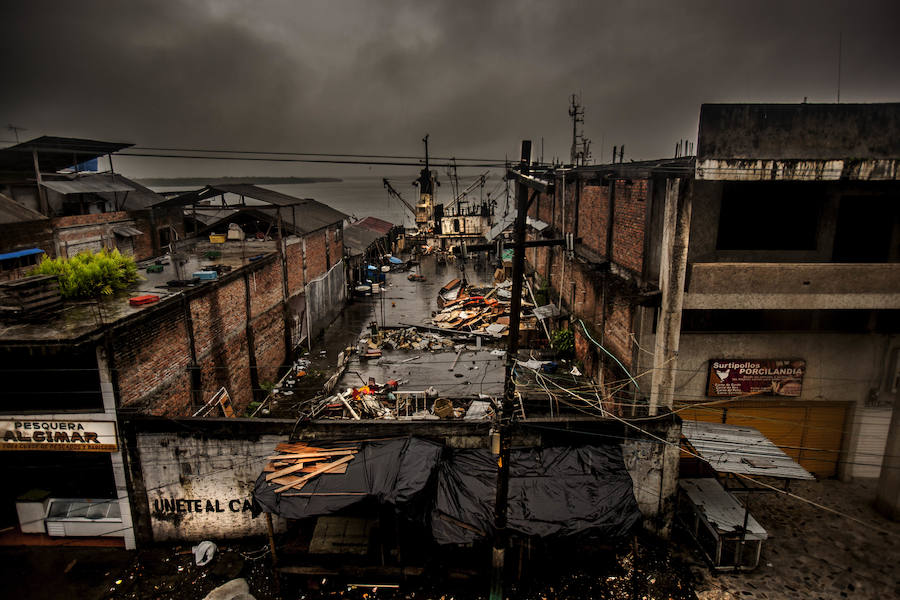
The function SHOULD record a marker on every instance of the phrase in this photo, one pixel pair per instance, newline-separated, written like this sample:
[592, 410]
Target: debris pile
[478, 310]
[401, 339]
[298, 463]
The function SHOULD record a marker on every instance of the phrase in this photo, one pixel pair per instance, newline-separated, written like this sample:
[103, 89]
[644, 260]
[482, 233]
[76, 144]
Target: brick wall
[294, 258]
[592, 217]
[31, 234]
[76, 220]
[152, 354]
[268, 338]
[336, 244]
[628, 233]
[618, 328]
[316, 262]
[151, 358]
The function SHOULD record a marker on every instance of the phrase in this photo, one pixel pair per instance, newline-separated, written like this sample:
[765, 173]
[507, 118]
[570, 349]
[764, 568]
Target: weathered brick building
[47, 204]
[779, 244]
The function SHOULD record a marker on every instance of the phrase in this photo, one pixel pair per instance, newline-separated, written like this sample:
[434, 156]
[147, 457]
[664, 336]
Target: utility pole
[501, 534]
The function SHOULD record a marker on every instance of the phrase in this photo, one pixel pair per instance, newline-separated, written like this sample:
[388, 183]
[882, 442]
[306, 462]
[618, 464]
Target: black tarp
[391, 471]
[556, 491]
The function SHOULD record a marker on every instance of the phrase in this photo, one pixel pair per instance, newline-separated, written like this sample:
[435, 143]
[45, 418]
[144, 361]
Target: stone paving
[816, 554]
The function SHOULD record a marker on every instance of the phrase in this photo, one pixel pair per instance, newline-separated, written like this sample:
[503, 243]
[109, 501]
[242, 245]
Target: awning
[127, 231]
[20, 253]
[740, 449]
[87, 185]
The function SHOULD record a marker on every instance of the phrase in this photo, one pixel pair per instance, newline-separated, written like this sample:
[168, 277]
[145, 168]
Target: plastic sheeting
[393, 472]
[325, 298]
[557, 491]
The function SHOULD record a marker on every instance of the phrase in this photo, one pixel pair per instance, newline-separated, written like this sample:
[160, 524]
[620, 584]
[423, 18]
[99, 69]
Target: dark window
[838, 321]
[165, 237]
[769, 216]
[49, 379]
[864, 228]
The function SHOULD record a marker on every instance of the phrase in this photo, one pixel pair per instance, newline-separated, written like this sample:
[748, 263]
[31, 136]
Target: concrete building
[756, 284]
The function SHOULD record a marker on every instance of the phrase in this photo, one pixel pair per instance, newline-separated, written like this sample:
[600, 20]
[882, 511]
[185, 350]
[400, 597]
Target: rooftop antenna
[580, 153]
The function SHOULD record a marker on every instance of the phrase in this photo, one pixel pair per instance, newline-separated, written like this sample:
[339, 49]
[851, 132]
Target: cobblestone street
[814, 554]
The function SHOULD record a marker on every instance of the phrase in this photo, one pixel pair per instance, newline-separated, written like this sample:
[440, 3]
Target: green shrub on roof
[88, 275]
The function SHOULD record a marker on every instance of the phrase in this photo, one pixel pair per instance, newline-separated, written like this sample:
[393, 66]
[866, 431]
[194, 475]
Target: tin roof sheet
[741, 449]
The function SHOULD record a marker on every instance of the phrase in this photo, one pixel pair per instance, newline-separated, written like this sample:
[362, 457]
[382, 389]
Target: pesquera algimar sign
[46, 434]
[744, 376]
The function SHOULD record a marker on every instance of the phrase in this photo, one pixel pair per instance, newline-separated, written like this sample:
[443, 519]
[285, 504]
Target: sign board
[44, 434]
[739, 377]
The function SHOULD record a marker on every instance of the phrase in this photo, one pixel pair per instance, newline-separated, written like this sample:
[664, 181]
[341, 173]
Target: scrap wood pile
[479, 310]
[297, 463]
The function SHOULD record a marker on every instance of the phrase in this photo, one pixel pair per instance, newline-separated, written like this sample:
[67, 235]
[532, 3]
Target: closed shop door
[811, 433]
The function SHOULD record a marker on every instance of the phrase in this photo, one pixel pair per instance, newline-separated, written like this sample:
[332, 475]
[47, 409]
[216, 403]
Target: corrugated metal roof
[301, 215]
[253, 191]
[93, 184]
[54, 153]
[13, 212]
[740, 449]
[358, 239]
[375, 224]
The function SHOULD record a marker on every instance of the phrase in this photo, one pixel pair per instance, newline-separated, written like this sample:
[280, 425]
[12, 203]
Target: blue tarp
[395, 260]
[19, 253]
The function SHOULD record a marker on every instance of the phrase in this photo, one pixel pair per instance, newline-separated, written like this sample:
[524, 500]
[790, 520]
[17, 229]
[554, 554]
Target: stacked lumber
[297, 463]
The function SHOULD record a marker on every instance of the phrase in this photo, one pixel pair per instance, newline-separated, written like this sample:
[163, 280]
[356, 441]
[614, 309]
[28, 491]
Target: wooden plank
[312, 455]
[323, 469]
[284, 471]
[339, 470]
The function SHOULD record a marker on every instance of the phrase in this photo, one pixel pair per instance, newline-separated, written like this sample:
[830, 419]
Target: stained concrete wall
[839, 367]
[198, 487]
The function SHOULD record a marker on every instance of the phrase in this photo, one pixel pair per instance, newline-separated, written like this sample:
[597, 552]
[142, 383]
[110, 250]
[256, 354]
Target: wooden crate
[30, 297]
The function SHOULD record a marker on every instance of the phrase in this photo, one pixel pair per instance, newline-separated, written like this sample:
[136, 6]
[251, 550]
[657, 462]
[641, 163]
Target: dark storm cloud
[375, 76]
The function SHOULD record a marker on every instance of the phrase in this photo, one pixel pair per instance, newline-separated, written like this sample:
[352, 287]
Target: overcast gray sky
[375, 76]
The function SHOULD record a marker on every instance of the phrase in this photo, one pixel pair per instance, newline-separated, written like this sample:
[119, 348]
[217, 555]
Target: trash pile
[386, 401]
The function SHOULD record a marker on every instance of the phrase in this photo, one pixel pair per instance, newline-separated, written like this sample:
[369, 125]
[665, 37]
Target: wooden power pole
[501, 534]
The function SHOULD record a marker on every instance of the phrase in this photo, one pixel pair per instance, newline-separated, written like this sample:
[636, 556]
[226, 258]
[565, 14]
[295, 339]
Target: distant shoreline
[203, 181]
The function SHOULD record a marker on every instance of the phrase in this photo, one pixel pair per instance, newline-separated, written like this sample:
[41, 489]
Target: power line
[490, 165]
[330, 155]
